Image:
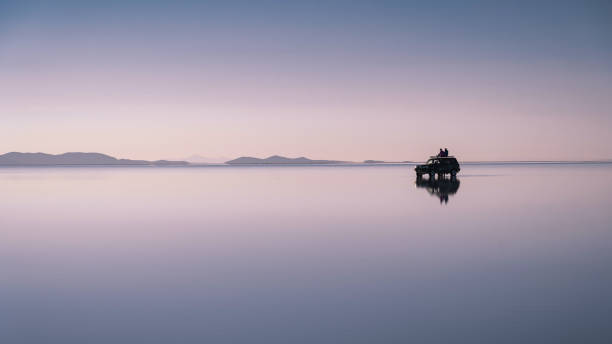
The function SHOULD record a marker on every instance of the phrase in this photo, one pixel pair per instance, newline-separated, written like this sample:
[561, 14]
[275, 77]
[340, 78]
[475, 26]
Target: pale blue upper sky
[336, 79]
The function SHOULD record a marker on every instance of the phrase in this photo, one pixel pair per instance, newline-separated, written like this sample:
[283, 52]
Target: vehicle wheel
[419, 175]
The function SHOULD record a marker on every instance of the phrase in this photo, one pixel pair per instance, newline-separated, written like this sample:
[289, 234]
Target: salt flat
[305, 254]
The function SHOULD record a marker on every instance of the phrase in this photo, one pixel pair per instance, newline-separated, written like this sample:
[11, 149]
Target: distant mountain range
[42, 159]
[279, 160]
[75, 159]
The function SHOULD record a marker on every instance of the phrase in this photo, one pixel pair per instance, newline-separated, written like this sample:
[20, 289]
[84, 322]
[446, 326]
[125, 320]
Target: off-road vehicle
[438, 165]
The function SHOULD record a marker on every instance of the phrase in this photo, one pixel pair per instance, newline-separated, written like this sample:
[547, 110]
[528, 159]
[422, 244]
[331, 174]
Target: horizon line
[375, 161]
[365, 162]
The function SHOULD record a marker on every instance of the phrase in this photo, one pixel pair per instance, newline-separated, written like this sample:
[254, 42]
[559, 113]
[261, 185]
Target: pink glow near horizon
[151, 95]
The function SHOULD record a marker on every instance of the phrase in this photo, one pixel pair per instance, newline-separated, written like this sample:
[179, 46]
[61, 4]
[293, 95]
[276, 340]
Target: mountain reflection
[441, 187]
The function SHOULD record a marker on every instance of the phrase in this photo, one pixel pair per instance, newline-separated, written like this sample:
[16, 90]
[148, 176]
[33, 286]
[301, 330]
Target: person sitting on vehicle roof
[446, 152]
[441, 154]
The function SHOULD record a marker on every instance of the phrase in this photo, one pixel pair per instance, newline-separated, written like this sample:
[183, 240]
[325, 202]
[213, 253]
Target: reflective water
[507, 254]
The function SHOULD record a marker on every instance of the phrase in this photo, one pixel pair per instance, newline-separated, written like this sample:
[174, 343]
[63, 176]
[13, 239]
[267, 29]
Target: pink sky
[337, 90]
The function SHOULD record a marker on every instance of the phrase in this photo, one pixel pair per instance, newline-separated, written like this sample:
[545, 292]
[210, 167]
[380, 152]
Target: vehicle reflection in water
[440, 187]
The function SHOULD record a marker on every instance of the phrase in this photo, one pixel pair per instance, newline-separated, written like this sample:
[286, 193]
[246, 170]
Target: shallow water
[315, 254]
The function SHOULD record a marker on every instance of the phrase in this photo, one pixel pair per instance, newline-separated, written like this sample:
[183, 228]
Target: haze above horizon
[389, 80]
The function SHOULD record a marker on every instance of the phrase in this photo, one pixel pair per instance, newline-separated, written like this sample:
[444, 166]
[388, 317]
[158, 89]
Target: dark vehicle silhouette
[441, 188]
[438, 165]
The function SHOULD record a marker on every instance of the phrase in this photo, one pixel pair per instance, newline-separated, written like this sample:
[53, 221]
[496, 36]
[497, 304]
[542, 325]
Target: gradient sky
[348, 80]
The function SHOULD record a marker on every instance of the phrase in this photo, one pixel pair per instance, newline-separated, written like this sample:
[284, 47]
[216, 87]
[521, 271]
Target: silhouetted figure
[445, 151]
[441, 154]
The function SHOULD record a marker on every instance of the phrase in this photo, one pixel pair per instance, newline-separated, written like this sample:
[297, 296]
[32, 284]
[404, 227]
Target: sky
[346, 80]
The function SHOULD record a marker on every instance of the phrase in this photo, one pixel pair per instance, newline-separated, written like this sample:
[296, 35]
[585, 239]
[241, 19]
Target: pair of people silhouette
[443, 153]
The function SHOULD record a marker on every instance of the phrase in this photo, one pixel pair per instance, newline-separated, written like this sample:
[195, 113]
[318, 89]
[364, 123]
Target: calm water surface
[509, 254]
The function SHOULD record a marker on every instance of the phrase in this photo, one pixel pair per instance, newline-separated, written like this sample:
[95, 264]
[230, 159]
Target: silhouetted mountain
[279, 160]
[42, 159]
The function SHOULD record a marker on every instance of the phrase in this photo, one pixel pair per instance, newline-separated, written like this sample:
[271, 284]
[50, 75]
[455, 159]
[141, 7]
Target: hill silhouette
[279, 160]
[75, 158]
